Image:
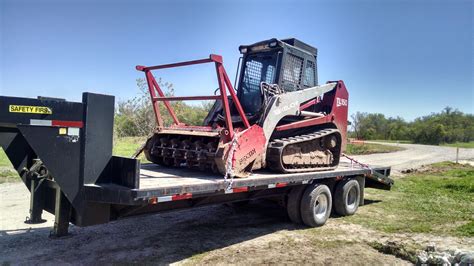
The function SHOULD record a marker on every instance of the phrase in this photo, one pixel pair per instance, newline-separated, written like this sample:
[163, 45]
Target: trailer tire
[293, 205]
[316, 205]
[347, 197]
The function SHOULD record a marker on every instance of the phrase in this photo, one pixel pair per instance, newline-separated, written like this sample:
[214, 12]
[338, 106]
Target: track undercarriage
[316, 151]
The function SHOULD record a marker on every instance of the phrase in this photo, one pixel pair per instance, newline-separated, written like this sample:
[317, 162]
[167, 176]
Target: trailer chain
[376, 175]
[142, 147]
[229, 169]
[363, 165]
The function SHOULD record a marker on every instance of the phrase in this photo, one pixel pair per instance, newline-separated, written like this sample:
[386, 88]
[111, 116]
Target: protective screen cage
[292, 72]
[256, 71]
[310, 74]
[157, 95]
[253, 74]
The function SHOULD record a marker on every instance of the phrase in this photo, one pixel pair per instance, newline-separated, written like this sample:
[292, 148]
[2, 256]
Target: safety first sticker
[30, 109]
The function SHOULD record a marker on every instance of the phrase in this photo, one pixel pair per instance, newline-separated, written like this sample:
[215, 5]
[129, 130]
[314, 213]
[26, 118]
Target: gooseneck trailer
[63, 153]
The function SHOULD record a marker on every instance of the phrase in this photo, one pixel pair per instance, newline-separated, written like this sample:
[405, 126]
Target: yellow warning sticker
[30, 109]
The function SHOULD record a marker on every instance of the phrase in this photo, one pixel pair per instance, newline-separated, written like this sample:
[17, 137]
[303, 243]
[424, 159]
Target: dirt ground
[260, 233]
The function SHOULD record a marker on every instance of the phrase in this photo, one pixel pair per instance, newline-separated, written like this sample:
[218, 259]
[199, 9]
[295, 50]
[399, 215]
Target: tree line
[135, 117]
[448, 126]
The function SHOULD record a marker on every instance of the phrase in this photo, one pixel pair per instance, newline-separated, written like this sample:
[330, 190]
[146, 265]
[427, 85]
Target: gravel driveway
[177, 236]
[415, 156]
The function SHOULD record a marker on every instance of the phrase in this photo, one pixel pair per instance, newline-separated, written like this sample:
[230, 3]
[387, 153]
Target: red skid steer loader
[279, 117]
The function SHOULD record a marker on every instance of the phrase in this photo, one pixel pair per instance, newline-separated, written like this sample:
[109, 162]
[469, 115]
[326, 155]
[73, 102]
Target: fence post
[457, 154]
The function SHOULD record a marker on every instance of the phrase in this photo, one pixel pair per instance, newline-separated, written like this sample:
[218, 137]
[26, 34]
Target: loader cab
[289, 63]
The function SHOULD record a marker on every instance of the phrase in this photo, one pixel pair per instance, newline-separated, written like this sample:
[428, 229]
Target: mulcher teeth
[187, 151]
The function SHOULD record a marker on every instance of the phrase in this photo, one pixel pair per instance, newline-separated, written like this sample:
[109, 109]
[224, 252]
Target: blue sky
[398, 57]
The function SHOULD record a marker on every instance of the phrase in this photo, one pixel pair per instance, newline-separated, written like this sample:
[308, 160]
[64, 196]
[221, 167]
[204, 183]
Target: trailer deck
[154, 177]
[160, 183]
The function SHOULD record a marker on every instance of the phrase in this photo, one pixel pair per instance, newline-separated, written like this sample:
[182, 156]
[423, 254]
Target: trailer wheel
[347, 197]
[316, 205]
[293, 205]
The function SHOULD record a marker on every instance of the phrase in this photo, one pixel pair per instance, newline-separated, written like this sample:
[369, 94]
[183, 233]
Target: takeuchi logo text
[341, 102]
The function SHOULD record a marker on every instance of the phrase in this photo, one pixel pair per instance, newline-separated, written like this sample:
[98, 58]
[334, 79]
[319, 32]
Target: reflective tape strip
[277, 185]
[182, 196]
[164, 199]
[237, 190]
[60, 123]
[40, 122]
[305, 182]
[156, 200]
[56, 123]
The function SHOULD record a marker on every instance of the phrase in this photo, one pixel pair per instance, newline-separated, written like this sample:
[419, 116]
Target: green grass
[7, 173]
[4, 162]
[438, 201]
[127, 146]
[468, 145]
[370, 148]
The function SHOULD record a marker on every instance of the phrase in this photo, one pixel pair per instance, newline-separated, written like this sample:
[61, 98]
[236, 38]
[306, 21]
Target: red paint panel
[308, 104]
[339, 102]
[182, 196]
[250, 145]
[281, 185]
[305, 123]
[240, 189]
[61, 123]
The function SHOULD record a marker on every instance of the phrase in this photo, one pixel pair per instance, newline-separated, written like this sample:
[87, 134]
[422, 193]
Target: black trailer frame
[63, 153]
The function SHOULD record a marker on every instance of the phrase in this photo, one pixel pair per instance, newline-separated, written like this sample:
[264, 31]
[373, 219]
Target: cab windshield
[257, 68]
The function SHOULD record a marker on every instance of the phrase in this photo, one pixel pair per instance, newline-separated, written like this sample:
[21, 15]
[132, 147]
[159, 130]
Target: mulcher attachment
[182, 150]
[208, 151]
[318, 151]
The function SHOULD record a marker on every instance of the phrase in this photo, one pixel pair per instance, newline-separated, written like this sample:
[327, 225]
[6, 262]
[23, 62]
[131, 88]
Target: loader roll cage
[157, 95]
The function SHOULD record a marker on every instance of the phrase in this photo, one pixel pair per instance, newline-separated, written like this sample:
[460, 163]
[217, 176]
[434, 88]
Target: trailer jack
[36, 202]
[61, 207]
[62, 214]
